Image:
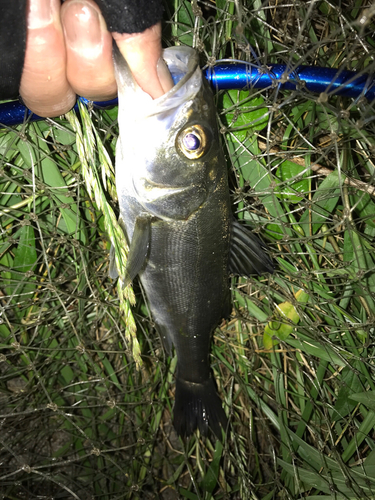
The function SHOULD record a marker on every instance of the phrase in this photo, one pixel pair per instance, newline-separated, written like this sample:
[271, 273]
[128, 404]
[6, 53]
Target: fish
[184, 242]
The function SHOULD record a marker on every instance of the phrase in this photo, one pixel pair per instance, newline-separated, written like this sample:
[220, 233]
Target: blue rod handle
[313, 78]
[15, 113]
[229, 75]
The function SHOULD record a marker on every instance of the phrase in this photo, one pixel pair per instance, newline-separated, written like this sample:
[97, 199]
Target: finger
[143, 54]
[89, 50]
[44, 87]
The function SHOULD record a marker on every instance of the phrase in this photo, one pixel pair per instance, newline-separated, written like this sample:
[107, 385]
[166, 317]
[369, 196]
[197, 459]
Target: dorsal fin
[248, 254]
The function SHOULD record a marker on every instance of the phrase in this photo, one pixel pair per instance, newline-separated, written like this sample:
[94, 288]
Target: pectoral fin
[137, 252]
[248, 253]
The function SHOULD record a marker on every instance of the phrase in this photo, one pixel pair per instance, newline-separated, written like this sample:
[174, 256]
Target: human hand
[69, 52]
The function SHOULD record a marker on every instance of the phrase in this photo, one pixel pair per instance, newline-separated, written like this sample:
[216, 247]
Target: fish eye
[192, 142]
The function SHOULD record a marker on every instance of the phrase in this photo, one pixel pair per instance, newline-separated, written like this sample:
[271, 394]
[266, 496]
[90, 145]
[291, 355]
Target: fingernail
[164, 75]
[82, 26]
[40, 13]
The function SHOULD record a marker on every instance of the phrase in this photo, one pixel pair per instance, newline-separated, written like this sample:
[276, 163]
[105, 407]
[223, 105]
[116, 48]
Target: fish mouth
[183, 64]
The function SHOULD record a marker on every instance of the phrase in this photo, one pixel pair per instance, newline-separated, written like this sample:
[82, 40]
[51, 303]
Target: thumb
[143, 53]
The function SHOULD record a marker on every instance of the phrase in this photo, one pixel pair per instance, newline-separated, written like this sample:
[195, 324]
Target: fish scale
[172, 185]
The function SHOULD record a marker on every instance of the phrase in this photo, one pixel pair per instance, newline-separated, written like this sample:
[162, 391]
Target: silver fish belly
[172, 186]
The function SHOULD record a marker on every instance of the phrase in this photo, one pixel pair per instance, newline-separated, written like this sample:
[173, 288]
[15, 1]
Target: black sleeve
[12, 46]
[130, 16]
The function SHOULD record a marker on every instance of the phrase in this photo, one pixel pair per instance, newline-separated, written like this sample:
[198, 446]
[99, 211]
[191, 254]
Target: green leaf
[342, 482]
[311, 478]
[4, 332]
[176, 474]
[248, 116]
[25, 258]
[64, 136]
[183, 28]
[364, 207]
[288, 188]
[6, 262]
[109, 369]
[67, 374]
[52, 177]
[358, 254]
[370, 461]
[302, 297]
[366, 398]
[350, 383]
[367, 469]
[270, 496]
[362, 433]
[311, 455]
[25, 255]
[323, 203]
[250, 306]
[276, 328]
[187, 494]
[210, 480]
[48, 170]
[329, 497]
[314, 348]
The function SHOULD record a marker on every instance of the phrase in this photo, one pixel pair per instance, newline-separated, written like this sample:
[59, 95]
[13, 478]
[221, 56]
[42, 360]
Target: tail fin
[198, 406]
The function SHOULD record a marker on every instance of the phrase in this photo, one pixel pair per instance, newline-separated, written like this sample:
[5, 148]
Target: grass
[294, 363]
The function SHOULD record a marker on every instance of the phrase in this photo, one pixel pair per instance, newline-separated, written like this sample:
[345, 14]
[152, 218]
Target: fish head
[168, 155]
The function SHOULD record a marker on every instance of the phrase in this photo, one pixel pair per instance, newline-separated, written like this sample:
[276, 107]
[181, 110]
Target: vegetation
[86, 391]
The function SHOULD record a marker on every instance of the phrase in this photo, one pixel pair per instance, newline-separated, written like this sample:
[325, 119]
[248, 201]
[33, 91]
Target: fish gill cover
[294, 363]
